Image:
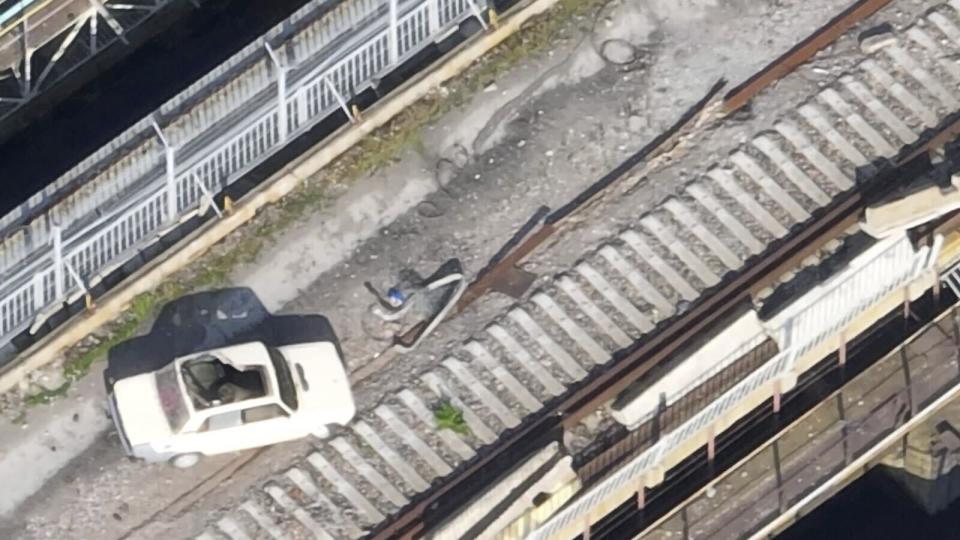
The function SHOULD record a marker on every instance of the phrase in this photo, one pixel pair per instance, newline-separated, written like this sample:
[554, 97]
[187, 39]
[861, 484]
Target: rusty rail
[553, 222]
[840, 216]
[801, 53]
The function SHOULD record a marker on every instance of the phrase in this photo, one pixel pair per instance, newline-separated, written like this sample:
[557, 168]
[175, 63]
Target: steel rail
[801, 53]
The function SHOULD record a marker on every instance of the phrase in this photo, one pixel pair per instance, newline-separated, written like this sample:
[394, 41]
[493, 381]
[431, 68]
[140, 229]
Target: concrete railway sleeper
[565, 334]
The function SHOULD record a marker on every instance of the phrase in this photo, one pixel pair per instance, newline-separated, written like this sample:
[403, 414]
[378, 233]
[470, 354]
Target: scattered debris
[618, 51]
[877, 38]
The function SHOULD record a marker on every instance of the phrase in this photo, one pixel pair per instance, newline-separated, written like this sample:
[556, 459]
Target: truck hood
[318, 372]
[138, 406]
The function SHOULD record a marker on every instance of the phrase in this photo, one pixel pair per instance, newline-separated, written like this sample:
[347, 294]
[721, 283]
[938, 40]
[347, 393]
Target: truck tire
[185, 461]
[322, 432]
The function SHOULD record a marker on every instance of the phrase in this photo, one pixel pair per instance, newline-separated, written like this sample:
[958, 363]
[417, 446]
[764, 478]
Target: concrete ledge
[906, 211]
[558, 491]
[461, 525]
[729, 344]
[272, 190]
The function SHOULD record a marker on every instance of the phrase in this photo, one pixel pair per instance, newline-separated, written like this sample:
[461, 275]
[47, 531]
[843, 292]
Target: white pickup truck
[243, 394]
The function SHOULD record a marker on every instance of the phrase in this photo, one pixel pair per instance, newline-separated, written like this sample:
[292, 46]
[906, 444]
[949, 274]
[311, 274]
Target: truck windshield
[171, 397]
[288, 392]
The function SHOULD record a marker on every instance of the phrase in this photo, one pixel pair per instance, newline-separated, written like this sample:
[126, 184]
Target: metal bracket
[207, 194]
[76, 277]
[340, 100]
[393, 40]
[513, 281]
[111, 22]
[478, 14]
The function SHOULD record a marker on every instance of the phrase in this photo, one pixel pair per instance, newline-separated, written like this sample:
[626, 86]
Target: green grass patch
[46, 395]
[449, 416]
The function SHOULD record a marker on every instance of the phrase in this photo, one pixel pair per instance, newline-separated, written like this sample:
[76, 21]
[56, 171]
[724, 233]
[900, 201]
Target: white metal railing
[219, 153]
[671, 395]
[893, 267]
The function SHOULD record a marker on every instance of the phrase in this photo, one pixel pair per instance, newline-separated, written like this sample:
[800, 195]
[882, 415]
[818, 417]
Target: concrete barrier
[904, 211]
[500, 504]
[738, 337]
[271, 191]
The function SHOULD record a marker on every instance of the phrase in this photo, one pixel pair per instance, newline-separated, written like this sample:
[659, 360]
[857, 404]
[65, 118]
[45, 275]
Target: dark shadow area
[209, 320]
[873, 508]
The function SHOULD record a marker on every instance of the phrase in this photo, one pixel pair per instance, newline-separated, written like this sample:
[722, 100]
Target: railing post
[908, 382]
[658, 416]
[433, 16]
[26, 84]
[685, 520]
[711, 446]
[58, 261]
[936, 285]
[38, 293]
[172, 207]
[777, 395]
[393, 34]
[170, 155]
[842, 352]
[778, 473]
[906, 304]
[282, 116]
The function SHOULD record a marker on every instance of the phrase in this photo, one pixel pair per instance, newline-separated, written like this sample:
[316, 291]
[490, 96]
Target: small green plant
[449, 416]
[20, 419]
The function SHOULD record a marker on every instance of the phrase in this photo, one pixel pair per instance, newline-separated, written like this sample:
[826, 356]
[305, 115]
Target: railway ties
[617, 292]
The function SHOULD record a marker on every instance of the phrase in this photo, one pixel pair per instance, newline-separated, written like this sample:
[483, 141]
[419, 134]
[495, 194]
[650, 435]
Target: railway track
[617, 293]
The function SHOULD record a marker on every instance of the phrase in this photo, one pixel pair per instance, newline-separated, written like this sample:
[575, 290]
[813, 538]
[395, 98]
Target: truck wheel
[185, 461]
[322, 432]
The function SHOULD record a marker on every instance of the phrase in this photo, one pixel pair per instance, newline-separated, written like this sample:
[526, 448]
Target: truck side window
[263, 412]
